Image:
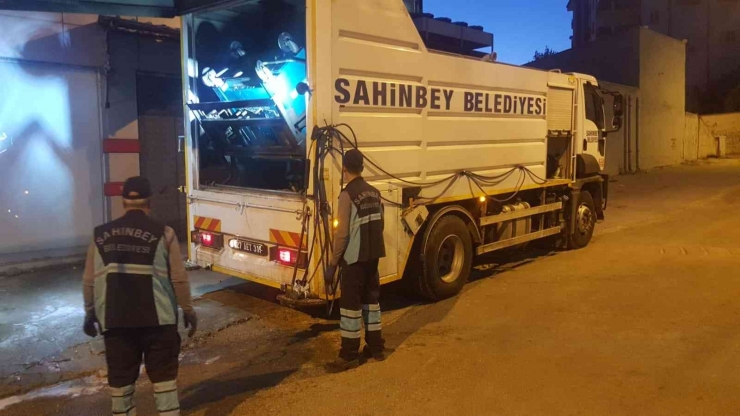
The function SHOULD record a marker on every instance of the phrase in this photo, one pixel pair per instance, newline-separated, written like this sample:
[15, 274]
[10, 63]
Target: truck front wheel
[585, 219]
[447, 258]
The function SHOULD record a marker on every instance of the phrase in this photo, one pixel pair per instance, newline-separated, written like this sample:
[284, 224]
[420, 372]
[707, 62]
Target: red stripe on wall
[121, 146]
[113, 189]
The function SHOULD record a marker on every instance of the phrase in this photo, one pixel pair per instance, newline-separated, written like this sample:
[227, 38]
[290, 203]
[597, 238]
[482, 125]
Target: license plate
[250, 247]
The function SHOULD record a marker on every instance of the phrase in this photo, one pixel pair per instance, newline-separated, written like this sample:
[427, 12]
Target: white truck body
[420, 115]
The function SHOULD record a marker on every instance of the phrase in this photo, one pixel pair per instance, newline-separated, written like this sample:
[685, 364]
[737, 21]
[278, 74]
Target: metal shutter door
[559, 109]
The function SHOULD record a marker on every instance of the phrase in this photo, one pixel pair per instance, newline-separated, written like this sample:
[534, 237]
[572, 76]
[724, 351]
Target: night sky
[519, 27]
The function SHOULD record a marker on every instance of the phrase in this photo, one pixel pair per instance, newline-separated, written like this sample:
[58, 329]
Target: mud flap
[604, 192]
[599, 200]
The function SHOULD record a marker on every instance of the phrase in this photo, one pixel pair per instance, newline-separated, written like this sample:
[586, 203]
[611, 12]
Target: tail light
[208, 239]
[286, 256]
[289, 257]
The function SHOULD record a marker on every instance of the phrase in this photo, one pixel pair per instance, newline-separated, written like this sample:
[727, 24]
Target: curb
[30, 266]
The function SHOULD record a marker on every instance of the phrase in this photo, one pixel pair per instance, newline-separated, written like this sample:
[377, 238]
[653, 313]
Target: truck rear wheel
[585, 220]
[447, 259]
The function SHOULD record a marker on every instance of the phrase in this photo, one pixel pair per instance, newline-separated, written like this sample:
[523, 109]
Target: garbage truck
[471, 156]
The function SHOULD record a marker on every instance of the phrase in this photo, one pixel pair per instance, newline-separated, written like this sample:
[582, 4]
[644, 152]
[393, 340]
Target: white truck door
[593, 137]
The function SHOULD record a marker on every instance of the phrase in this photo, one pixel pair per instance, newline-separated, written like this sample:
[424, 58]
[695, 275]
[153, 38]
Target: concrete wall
[727, 125]
[707, 142]
[663, 99]
[62, 38]
[691, 137]
[654, 63]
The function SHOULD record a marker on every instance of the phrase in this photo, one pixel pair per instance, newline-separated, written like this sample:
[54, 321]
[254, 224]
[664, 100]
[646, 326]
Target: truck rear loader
[471, 156]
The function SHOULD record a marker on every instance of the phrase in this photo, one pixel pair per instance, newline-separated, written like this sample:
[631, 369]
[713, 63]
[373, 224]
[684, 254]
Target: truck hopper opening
[247, 70]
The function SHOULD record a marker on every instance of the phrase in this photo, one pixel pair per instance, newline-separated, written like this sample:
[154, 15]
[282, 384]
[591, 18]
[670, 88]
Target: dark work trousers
[360, 293]
[159, 347]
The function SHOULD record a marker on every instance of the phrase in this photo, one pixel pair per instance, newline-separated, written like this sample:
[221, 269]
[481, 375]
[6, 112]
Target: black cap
[137, 187]
[353, 160]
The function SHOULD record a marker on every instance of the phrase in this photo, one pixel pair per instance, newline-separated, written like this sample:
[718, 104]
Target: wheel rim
[585, 220]
[450, 258]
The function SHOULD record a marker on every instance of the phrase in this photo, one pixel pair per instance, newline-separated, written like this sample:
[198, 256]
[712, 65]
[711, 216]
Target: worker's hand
[191, 321]
[89, 326]
[331, 270]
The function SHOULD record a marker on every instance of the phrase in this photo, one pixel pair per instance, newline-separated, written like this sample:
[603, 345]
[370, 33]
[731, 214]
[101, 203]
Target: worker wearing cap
[358, 246]
[134, 279]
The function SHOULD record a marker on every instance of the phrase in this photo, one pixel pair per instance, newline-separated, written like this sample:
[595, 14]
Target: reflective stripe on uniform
[122, 400]
[165, 386]
[349, 313]
[367, 219]
[100, 288]
[371, 317]
[165, 394]
[350, 320]
[165, 302]
[125, 269]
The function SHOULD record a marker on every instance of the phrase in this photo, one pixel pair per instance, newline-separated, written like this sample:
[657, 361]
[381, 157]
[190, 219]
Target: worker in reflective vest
[134, 279]
[358, 246]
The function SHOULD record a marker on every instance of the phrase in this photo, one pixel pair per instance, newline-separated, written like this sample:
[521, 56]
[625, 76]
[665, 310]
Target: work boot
[340, 364]
[377, 355]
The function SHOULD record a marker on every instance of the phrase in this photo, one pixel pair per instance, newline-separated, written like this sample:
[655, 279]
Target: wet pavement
[41, 316]
[643, 321]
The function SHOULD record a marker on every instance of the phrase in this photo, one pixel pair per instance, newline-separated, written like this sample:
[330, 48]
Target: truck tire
[447, 259]
[585, 221]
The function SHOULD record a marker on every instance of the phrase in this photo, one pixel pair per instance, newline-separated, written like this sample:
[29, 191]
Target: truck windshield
[594, 105]
[247, 68]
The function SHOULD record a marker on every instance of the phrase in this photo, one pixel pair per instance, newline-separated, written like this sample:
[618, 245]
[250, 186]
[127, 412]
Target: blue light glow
[51, 175]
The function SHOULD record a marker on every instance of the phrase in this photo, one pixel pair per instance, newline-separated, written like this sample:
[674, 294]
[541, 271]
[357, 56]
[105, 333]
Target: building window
[414, 6]
[654, 17]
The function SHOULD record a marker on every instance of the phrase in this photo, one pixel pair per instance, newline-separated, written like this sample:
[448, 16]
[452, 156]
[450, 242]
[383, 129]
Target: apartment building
[711, 28]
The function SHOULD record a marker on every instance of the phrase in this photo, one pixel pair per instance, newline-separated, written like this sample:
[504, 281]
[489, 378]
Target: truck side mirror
[618, 106]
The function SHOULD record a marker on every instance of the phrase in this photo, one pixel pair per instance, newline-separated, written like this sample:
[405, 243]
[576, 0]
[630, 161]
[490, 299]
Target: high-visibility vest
[132, 279]
[365, 223]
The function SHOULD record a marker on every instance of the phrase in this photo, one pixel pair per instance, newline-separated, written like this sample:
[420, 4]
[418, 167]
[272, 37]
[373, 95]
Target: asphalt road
[646, 320]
